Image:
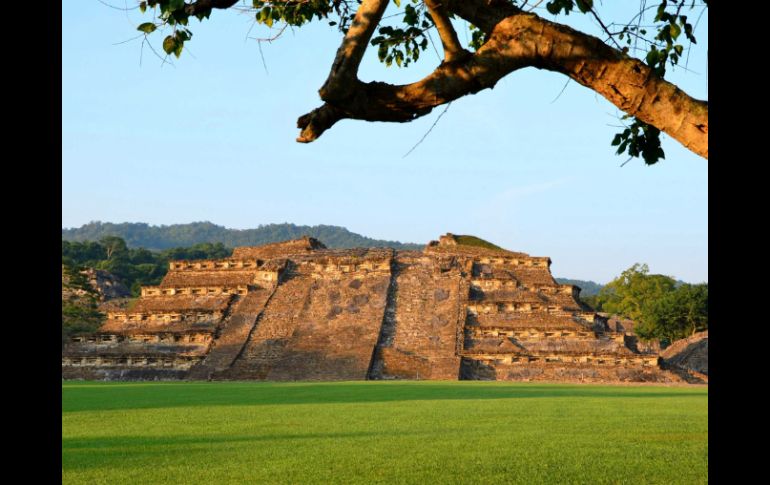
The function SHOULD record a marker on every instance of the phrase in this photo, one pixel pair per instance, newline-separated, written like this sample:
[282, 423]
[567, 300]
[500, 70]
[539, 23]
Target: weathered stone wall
[233, 334]
[689, 354]
[134, 357]
[106, 284]
[593, 371]
[276, 327]
[275, 250]
[426, 320]
[195, 291]
[322, 323]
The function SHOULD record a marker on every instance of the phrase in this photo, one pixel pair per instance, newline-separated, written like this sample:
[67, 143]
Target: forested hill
[587, 288]
[142, 235]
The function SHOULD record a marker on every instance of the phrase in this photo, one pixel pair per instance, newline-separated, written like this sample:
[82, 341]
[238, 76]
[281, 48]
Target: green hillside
[142, 235]
[588, 288]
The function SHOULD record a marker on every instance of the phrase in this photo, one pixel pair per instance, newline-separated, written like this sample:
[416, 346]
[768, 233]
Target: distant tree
[198, 251]
[593, 301]
[662, 307]
[628, 294]
[114, 246]
[78, 253]
[678, 314]
[142, 256]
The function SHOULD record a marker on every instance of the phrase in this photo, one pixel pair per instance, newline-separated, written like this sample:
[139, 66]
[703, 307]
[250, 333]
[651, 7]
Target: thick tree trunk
[514, 40]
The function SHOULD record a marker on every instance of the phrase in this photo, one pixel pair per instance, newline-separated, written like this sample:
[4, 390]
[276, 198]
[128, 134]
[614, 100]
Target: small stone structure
[690, 356]
[299, 311]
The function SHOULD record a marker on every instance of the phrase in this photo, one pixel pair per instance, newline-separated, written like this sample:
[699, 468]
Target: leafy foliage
[477, 37]
[134, 267]
[642, 139]
[403, 45]
[662, 307]
[632, 290]
[677, 314]
[299, 12]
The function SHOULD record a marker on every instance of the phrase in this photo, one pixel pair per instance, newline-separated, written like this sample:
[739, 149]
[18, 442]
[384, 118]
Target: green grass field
[382, 432]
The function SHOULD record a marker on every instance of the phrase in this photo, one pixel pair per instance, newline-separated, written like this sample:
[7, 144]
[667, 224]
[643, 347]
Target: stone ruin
[299, 311]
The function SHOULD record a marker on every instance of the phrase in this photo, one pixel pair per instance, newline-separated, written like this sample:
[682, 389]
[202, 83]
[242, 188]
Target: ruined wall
[304, 245]
[423, 322]
[134, 355]
[553, 369]
[233, 334]
[689, 354]
[323, 321]
[105, 284]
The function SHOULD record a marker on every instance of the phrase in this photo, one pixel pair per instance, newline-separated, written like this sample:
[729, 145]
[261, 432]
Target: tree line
[135, 267]
[142, 235]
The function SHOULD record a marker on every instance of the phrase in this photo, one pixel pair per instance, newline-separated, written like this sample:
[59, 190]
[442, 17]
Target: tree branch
[345, 67]
[517, 40]
[452, 49]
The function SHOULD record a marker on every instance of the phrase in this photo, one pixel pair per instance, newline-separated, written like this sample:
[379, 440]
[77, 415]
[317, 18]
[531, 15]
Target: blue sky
[211, 137]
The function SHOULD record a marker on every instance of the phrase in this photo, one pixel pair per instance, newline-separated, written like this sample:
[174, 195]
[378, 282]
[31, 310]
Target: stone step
[234, 334]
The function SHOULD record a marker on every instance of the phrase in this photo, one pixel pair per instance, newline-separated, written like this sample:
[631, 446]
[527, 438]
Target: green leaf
[178, 49]
[175, 4]
[147, 28]
[203, 14]
[382, 52]
[552, 8]
[169, 44]
[397, 2]
[674, 30]
[410, 15]
[142, 6]
[678, 49]
[652, 57]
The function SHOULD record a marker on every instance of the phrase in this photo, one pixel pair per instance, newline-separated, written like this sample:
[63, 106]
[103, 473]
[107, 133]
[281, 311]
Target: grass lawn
[382, 432]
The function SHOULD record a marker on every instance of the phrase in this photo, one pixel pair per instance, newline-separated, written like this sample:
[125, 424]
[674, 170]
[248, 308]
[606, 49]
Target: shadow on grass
[132, 451]
[99, 396]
